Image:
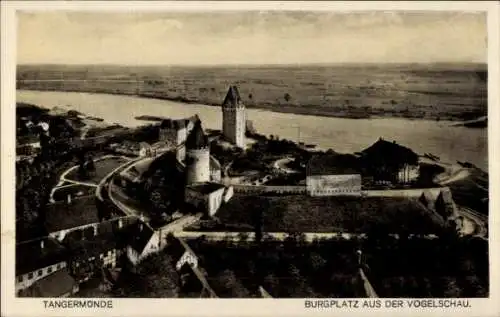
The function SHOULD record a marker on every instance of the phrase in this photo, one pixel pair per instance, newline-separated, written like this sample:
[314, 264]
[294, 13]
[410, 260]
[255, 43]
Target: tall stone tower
[197, 156]
[234, 118]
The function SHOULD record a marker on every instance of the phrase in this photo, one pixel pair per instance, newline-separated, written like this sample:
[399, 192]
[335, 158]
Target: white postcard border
[12, 306]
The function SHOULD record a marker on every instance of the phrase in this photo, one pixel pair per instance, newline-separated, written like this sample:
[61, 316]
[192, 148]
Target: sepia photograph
[252, 154]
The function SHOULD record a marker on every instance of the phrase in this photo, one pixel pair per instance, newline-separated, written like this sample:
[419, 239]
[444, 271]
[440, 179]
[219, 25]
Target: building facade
[234, 118]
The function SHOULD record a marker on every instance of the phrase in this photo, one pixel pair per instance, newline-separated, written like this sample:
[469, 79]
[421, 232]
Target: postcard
[250, 158]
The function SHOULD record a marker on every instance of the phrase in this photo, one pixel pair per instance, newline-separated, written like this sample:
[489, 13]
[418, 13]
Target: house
[389, 162]
[89, 255]
[73, 214]
[207, 196]
[143, 241]
[173, 132]
[58, 284]
[37, 259]
[333, 174]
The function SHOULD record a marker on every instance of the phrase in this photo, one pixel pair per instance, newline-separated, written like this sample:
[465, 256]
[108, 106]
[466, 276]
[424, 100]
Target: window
[20, 278]
[49, 270]
[40, 272]
[30, 276]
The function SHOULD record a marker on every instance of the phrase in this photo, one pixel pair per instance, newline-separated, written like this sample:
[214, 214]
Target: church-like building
[234, 118]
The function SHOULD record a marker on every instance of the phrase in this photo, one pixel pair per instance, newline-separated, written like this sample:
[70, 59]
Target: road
[478, 219]
[370, 291]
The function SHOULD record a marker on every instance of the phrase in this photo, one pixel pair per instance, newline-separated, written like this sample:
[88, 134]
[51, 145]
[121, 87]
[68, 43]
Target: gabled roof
[197, 138]
[390, 152]
[85, 248]
[233, 98]
[141, 233]
[31, 256]
[54, 285]
[61, 215]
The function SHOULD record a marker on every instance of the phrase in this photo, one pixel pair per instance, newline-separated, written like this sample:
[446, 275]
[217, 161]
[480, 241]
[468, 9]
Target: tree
[287, 97]
[317, 261]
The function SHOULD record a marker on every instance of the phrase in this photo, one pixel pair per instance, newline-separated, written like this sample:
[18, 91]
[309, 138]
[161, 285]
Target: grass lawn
[61, 193]
[102, 168]
[329, 214]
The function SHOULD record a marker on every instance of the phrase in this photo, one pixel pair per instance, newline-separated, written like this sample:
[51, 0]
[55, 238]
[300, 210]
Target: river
[450, 143]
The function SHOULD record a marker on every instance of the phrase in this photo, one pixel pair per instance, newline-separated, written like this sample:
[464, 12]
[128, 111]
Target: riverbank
[342, 135]
[343, 112]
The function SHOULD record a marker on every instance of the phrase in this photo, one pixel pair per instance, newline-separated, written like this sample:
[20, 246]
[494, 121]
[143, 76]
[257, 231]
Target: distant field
[451, 92]
[299, 213]
[102, 168]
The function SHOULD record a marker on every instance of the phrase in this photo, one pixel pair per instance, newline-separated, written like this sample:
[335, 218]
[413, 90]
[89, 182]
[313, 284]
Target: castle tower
[197, 156]
[234, 118]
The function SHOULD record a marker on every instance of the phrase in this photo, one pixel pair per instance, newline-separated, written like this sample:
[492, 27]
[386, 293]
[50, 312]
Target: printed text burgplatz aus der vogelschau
[387, 303]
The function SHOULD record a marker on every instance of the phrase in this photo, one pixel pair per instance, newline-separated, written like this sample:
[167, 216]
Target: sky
[250, 37]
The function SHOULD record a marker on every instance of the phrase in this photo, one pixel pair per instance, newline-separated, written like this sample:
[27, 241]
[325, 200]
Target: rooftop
[61, 215]
[140, 235]
[93, 246]
[233, 98]
[329, 214]
[390, 152]
[205, 188]
[31, 256]
[333, 164]
[197, 138]
[56, 284]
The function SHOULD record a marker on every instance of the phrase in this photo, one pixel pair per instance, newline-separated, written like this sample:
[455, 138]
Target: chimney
[69, 199]
[42, 244]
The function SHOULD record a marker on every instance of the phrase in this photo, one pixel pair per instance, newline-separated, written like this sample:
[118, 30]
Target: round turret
[197, 156]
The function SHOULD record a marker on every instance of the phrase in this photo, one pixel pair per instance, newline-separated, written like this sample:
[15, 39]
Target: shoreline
[291, 109]
[151, 119]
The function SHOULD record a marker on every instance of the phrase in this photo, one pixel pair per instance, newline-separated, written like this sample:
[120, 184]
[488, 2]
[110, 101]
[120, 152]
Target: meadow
[439, 92]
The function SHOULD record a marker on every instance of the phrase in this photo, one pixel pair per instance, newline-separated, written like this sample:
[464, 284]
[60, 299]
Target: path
[281, 165]
[370, 291]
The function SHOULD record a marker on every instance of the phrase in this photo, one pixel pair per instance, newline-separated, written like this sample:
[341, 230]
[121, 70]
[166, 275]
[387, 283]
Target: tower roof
[233, 98]
[197, 138]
